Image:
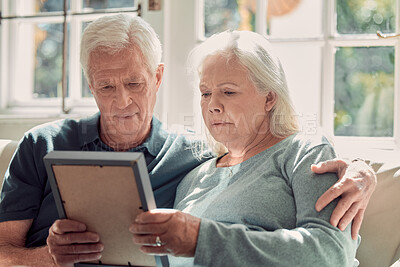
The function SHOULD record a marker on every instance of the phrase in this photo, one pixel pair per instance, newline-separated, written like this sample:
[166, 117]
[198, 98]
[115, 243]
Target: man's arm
[12, 246]
[357, 182]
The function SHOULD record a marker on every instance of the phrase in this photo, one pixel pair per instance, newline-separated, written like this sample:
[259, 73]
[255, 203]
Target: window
[341, 58]
[33, 38]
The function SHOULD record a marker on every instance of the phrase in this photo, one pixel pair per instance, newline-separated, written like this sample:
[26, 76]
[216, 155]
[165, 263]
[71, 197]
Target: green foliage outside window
[364, 77]
[48, 46]
[48, 63]
[365, 16]
[364, 91]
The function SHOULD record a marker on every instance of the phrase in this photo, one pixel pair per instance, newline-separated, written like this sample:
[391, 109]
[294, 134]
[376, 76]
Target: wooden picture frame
[106, 191]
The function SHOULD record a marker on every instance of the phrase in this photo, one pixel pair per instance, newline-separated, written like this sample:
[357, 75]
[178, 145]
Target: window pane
[85, 87]
[294, 18]
[48, 60]
[285, 18]
[364, 91]
[34, 7]
[365, 16]
[221, 15]
[104, 4]
[49, 5]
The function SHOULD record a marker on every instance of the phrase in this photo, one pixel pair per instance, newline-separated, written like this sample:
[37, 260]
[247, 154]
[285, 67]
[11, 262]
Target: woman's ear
[270, 101]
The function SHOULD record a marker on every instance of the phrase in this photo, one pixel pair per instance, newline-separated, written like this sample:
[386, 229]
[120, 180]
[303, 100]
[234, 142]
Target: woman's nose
[215, 105]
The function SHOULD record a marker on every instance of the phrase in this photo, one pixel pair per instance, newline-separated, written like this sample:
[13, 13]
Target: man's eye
[107, 87]
[205, 94]
[133, 84]
[229, 93]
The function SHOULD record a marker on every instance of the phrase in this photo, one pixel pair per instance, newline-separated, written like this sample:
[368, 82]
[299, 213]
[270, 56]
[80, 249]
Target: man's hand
[164, 231]
[357, 182]
[69, 242]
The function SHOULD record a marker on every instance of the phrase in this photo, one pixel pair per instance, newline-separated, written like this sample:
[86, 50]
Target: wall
[172, 101]
[179, 39]
[156, 20]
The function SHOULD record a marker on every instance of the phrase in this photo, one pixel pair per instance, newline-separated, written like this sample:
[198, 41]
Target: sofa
[380, 244]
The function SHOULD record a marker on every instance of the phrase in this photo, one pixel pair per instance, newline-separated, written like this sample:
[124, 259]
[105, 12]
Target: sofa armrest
[380, 235]
[7, 149]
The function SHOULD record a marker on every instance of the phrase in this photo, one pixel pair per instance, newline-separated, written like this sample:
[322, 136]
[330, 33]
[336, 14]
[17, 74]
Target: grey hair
[116, 33]
[254, 52]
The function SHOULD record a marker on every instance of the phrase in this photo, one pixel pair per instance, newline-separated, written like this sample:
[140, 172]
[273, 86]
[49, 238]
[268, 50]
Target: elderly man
[121, 57]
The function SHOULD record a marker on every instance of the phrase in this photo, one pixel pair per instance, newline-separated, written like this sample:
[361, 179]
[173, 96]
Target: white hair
[254, 53]
[118, 32]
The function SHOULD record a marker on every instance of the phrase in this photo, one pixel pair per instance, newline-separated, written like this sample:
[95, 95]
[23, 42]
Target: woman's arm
[357, 182]
[313, 242]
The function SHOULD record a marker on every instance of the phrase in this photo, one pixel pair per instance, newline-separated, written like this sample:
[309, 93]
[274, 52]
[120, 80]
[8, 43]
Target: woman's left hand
[166, 231]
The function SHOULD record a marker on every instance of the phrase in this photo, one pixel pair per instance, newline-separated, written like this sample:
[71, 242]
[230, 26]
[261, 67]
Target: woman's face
[233, 110]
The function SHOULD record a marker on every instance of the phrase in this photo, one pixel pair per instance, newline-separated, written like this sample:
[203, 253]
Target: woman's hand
[357, 182]
[166, 231]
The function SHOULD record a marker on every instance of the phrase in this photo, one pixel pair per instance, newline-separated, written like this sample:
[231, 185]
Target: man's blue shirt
[26, 192]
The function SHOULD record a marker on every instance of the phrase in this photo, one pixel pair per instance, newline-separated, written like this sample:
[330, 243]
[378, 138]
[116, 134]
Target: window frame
[328, 41]
[10, 100]
[333, 40]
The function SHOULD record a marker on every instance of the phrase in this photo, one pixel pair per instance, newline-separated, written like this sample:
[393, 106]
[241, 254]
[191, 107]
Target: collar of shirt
[89, 133]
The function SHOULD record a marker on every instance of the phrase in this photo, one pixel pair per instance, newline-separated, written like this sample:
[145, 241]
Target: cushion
[7, 149]
[380, 235]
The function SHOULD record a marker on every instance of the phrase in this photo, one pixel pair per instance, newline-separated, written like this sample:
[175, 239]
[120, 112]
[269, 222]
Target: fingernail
[82, 227]
[96, 238]
[342, 226]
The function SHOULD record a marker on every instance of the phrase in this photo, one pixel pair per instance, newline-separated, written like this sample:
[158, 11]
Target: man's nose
[215, 105]
[123, 97]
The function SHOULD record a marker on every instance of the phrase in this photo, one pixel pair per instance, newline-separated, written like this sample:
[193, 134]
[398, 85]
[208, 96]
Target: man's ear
[89, 81]
[159, 75]
[270, 101]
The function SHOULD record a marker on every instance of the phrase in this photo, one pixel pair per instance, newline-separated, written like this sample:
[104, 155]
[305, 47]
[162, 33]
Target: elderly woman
[254, 204]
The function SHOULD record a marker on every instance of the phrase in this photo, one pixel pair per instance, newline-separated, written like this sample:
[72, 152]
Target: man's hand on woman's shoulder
[356, 183]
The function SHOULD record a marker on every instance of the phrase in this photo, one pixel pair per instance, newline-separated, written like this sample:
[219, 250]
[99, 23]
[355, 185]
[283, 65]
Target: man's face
[125, 93]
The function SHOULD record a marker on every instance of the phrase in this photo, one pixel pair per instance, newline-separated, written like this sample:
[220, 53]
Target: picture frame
[106, 191]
